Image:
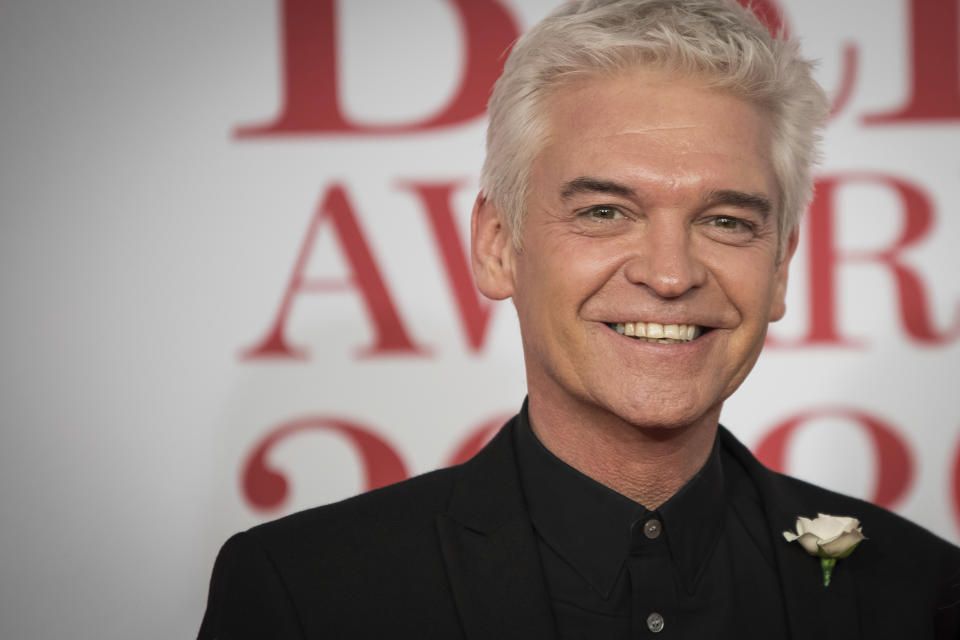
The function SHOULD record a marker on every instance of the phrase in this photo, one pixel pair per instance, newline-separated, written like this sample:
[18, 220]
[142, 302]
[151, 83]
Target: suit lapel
[490, 550]
[813, 611]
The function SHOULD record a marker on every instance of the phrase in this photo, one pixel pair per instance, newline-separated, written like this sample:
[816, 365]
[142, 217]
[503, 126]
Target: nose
[665, 261]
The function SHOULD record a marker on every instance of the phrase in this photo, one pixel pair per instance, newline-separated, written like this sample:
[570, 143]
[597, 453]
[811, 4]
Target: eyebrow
[753, 201]
[584, 184]
[718, 197]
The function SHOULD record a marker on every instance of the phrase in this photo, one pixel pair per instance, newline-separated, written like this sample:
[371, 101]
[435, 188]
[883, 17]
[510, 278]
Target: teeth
[656, 332]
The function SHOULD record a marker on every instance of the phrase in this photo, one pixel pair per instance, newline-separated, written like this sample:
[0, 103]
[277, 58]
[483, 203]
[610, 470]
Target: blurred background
[234, 282]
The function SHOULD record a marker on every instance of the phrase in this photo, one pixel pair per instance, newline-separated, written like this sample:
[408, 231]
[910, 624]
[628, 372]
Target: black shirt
[699, 566]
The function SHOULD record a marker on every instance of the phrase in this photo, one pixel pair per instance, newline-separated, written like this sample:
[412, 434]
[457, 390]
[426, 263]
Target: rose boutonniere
[828, 538]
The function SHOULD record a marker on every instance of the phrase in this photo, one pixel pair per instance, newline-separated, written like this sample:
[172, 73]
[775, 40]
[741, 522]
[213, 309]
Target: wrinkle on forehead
[654, 129]
[665, 143]
[645, 128]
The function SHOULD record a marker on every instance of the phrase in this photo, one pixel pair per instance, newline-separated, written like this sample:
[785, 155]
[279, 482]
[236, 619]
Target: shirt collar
[693, 519]
[592, 527]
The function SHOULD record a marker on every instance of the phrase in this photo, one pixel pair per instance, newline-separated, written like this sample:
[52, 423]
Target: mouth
[659, 333]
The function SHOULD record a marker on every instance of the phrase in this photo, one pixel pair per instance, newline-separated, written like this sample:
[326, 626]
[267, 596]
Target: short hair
[715, 39]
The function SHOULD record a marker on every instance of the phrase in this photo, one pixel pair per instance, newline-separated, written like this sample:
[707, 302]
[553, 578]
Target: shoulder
[884, 528]
[898, 556]
[896, 553]
[785, 498]
[889, 534]
[396, 521]
[317, 572]
[392, 513]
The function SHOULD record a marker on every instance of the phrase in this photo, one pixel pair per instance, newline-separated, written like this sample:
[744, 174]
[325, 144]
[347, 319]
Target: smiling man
[647, 165]
[650, 266]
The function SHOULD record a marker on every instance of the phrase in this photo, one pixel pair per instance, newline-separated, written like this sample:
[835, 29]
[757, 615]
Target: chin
[665, 415]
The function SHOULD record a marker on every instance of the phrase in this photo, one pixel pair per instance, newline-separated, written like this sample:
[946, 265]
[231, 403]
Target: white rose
[827, 536]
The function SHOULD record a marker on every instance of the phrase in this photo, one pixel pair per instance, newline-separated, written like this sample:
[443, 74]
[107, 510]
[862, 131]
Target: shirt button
[652, 528]
[655, 622]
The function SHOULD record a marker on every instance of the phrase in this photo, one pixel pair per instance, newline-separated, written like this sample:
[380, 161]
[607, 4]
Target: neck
[646, 464]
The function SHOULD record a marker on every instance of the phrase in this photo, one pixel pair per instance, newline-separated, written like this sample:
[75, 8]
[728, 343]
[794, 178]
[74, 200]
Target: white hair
[717, 40]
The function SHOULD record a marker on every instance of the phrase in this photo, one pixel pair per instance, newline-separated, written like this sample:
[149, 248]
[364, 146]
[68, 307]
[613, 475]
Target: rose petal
[810, 543]
[851, 549]
[848, 523]
[837, 548]
[803, 525]
[790, 536]
[826, 527]
[852, 524]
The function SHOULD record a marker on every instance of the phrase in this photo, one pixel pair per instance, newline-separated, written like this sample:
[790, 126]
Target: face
[651, 210]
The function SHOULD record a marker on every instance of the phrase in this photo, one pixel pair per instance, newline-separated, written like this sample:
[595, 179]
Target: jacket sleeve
[248, 598]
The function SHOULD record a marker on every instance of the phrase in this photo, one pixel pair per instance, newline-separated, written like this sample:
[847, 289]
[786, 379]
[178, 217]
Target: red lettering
[894, 462]
[848, 77]
[391, 337]
[825, 259]
[772, 17]
[477, 439]
[769, 13]
[311, 102]
[265, 488]
[934, 65]
[474, 310]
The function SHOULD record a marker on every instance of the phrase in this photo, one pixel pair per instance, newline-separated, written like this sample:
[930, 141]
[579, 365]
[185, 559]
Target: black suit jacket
[452, 554]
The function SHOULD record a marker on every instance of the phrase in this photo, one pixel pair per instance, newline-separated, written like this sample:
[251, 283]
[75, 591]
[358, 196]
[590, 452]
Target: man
[648, 162]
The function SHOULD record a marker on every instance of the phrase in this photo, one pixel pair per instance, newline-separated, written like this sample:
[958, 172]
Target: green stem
[826, 564]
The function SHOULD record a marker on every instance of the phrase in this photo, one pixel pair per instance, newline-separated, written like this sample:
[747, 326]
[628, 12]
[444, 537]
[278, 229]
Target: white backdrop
[148, 244]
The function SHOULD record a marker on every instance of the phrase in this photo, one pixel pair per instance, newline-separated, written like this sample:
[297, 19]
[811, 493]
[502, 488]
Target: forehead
[646, 125]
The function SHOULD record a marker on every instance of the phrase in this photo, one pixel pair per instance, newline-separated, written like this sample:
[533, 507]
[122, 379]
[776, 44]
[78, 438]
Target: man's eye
[730, 223]
[604, 213]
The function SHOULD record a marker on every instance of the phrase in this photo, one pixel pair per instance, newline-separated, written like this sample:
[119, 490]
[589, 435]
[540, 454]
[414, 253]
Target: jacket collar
[490, 550]
[493, 565]
[813, 611]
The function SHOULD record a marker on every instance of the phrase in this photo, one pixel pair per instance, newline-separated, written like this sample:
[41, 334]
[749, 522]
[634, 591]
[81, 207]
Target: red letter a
[391, 336]
[474, 311]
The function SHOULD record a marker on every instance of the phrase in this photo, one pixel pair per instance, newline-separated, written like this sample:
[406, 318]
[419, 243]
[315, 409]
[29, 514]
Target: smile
[656, 332]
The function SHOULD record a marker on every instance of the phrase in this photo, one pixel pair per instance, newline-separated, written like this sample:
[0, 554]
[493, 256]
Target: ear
[779, 305]
[491, 250]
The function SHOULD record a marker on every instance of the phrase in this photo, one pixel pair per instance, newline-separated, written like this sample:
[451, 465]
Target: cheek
[564, 269]
[535, 293]
[753, 297]
[778, 308]
[749, 280]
